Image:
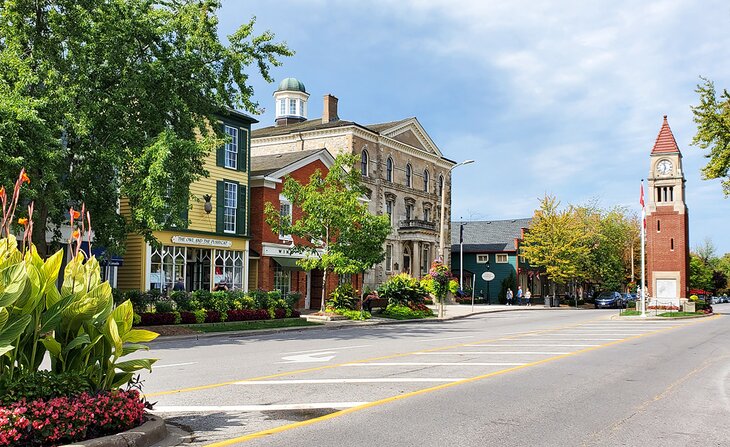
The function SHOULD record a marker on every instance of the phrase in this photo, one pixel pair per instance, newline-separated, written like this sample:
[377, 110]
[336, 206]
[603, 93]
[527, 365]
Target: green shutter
[220, 188]
[242, 149]
[184, 214]
[241, 223]
[220, 153]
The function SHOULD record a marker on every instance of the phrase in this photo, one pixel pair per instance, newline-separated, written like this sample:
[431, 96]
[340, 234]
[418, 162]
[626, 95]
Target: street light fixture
[442, 232]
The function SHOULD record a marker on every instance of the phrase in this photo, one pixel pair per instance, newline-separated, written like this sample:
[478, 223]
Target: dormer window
[282, 107]
[292, 106]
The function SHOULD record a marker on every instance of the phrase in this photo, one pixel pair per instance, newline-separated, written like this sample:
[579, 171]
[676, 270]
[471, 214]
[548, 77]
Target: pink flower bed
[68, 419]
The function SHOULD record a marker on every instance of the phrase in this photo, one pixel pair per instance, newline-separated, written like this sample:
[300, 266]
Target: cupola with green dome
[291, 102]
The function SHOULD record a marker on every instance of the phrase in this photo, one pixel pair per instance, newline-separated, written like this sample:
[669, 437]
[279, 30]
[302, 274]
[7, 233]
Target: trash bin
[556, 301]
[547, 300]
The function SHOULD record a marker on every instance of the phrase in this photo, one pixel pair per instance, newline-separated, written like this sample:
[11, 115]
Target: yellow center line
[367, 360]
[263, 433]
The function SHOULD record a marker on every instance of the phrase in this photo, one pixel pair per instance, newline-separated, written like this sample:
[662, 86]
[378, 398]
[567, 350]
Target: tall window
[409, 211]
[364, 163]
[441, 185]
[286, 216]
[408, 174]
[425, 259]
[292, 106]
[389, 169]
[388, 257]
[231, 160]
[389, 205]
[230, 203]
[282, 280]
[426, 179]
[167, 265]
[427, 214]
[282, 107]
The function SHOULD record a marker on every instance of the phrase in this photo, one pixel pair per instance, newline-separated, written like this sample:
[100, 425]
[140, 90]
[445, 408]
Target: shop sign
[201, 241]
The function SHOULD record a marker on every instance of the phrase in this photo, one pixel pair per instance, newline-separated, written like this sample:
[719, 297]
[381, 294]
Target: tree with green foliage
[700, 273]
[555, 242]
[102, 99]
[336, 233]
[712, 117]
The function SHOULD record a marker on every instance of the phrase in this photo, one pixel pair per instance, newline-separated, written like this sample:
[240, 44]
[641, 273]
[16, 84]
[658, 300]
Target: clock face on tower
[664, 167]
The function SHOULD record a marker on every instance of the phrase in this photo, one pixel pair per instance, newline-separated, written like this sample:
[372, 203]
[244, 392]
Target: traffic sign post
[488, 277]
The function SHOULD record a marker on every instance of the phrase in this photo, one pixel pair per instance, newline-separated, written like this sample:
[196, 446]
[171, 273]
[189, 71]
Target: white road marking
[434, 364]
[598, 333]
[309, 358]
[583, 339]
[174, 364]
[330, 381]
[442, 339]
[488, 353]
[533, 345]
[327, 349]
[247, 408]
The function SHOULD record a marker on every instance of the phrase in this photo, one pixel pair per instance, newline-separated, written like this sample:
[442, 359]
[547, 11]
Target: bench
[380, 303]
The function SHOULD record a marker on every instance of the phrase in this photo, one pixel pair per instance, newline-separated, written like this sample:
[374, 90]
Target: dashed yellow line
[380, 402]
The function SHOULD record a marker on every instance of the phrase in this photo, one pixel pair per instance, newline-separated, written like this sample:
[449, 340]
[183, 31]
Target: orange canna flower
[2, 192]
[24, 178]
[75, 214]
[23, 221]
[75, 234]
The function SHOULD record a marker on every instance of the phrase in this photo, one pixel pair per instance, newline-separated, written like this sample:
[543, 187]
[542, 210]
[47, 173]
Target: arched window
[389, 169]
[408, 174]
[426, 179]
[364, 163]
[441, 184]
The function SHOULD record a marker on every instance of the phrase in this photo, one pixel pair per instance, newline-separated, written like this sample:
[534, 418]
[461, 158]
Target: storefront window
[229, 269]
[198, 269]
[167, 265]
[282, 280]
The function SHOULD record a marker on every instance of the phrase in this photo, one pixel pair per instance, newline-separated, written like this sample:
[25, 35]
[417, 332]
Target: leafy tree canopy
[102, 99]
[712, 116]
[336, 232]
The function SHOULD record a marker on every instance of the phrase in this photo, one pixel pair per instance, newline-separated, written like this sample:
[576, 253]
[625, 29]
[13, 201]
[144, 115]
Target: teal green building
[492, 246]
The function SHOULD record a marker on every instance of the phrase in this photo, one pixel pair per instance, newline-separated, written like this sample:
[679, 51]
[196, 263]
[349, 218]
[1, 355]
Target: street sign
[487, 276]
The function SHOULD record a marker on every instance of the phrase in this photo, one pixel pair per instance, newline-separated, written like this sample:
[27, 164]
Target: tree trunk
[324, 289]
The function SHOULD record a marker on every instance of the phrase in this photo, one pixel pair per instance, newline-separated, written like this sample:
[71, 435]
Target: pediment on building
[409, 131]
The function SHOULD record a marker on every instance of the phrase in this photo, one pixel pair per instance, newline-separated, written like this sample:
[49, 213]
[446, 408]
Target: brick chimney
[329, 113]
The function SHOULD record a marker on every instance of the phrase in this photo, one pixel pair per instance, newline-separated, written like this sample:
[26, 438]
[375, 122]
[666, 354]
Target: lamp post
[442, 232]
[489, 301]
[461, 256]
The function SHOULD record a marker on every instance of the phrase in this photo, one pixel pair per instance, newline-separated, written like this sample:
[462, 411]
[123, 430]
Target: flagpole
[643, 256]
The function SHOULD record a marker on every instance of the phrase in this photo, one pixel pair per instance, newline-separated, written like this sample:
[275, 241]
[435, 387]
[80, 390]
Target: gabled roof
[304, 126]
[280, 164]
[490, 235]
[665, 142]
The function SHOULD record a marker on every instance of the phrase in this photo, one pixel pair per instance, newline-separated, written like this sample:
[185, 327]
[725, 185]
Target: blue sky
[558, 97]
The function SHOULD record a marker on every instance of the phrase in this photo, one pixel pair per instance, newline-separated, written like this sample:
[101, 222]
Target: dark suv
[610, 300]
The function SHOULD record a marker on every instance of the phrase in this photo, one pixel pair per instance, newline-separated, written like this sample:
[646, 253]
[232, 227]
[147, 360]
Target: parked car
[610, 300]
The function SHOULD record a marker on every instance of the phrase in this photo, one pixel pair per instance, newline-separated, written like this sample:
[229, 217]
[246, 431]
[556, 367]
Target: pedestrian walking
[528, 295]
[509, 296]
[519, 295]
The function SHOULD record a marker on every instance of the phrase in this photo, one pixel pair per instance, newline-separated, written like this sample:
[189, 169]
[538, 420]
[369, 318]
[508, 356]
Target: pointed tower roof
[665, 142]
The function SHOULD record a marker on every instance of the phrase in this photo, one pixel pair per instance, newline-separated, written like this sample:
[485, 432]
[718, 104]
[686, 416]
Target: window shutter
[242, 149]
[220, 197]
[184, 214]
[241, 212]
[220, 153]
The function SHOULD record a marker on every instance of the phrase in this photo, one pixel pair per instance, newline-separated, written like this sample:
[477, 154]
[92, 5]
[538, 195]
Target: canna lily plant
[78, 325]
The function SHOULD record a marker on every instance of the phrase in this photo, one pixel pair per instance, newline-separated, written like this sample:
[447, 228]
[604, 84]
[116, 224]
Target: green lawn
[250, 325]
[680, 314]
[628, 312]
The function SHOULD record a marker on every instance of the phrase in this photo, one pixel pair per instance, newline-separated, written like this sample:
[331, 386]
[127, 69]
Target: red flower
[24, 178]
[74, 214]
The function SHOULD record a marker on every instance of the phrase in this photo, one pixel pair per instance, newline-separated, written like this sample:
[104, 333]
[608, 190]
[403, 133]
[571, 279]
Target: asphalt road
[537, 378]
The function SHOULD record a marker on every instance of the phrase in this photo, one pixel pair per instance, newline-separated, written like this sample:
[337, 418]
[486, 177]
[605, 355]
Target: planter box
[689, 306]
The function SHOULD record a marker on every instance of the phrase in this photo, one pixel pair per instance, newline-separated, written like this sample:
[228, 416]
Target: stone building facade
[403, 170]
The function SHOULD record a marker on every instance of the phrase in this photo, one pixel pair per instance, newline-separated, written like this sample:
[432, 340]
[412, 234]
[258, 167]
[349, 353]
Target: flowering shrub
[402, 289]
[213, 316]
[68, 419]
[399, 312]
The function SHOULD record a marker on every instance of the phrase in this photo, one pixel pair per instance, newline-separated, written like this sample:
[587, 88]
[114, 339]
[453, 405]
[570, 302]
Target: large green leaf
[52, 266]
[52, 316]
[81, 340]
[4, 315]
[135, 365]
[36, 289]
[133, 347]
[121, 379]
[11, 332]
[139, 336]
[112, 333]
[124, 316]
[12, 284]
[5, 349]
[53, 346]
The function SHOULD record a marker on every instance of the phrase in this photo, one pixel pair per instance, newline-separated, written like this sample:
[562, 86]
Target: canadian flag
[643, 207]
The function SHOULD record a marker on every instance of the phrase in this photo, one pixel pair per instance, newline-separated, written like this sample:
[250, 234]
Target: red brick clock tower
[667, 223]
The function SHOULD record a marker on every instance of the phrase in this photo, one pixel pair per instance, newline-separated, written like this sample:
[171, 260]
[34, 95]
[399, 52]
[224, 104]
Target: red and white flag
[643, 207]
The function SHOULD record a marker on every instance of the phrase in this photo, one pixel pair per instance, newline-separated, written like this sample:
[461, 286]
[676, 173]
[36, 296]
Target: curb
[640, 318]
[347, 324]
[152, 431]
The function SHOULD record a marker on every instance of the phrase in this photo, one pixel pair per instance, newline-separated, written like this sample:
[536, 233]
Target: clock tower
[667, 223]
